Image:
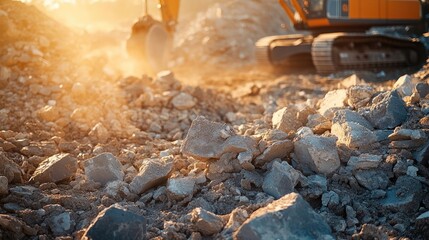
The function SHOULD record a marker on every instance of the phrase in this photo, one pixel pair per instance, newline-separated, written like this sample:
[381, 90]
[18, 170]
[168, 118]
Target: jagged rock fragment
[151, 174]
[56, 168]
[103, 168]
[206, 222]
[290, 217]
[280, 180]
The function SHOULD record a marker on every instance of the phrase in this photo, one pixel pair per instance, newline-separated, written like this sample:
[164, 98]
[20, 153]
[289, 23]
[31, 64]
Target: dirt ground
[63, 90]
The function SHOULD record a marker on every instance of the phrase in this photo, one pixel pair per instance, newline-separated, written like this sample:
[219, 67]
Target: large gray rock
[10, 169]
[209, 140]
[116, 223]
[290, 217]
[387, 111]
[286, 119]
[206, 222]
[151, 174]
[404, 196]
[317, 153]
[55, 169]
[354, 135]
[103, 168]
[281, 180]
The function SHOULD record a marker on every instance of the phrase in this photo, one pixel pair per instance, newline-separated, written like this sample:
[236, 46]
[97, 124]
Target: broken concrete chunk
[365, 161]
[279, 149]
[209, 140]
[280, 180]
[206, 222]
[4, 186]
[183, 101]
[404, 196]
[286, 119]
[360, 96]
[204, 139]
[290, 217]
[103, 168]
[180, 188]
[404, 85]
[354, 135]
[55, 169]
[372, 179]
[346, 115]
[335, 99]
[152, 173]
[318, 153]
[10, 169]
[117, 223]
[389, 112]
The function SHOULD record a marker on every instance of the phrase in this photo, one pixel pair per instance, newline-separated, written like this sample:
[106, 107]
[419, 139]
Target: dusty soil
[60, 94]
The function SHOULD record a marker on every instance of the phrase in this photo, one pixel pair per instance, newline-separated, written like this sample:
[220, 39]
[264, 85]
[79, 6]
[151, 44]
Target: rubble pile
[85, 154]
[224, 34]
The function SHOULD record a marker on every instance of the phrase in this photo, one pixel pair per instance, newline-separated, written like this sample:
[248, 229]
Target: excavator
[336, 35]
[339, 38]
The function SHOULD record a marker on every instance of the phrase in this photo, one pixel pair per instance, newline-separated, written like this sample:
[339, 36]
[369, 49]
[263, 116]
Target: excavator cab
[151, 40]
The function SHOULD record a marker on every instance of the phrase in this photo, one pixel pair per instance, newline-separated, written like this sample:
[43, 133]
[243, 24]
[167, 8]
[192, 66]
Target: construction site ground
[351, 144]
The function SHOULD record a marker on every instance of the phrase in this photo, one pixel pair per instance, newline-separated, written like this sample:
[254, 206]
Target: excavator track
[333, 52]
[345, 51]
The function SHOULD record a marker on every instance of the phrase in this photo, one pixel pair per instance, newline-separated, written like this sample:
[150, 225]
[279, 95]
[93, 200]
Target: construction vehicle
[150, 42]
[338, 37]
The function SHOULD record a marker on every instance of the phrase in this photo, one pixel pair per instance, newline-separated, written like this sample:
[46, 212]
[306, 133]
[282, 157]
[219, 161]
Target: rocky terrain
[87, 153]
